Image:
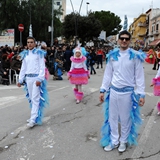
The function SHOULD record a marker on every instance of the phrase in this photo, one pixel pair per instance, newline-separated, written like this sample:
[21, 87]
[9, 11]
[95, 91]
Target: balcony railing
[156, 32]
[140, 24]
[141, 34]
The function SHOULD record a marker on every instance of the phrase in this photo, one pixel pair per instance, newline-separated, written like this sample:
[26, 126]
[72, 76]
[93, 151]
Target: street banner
[7, 37]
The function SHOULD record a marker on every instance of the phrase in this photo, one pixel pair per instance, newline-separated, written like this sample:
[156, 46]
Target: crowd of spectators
[57, 60]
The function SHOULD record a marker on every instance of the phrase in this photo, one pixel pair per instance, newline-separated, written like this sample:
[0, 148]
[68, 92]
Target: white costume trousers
[34, 95]
[120, 105]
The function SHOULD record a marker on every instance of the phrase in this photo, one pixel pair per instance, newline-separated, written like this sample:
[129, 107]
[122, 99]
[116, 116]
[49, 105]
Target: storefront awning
[155, 42]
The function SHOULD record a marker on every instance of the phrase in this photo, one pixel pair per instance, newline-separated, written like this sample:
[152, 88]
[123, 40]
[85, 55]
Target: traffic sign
[21, 27]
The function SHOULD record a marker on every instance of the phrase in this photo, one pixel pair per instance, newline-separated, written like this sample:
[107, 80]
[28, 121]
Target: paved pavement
[71, 131]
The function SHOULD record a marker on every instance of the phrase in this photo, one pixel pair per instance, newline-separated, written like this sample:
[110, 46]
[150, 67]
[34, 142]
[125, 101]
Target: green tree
[84, 27]
[12, 13]
[110, 22]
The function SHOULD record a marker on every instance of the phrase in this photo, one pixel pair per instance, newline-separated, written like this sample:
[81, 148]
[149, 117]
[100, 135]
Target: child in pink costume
[156, 84]
[78, 73]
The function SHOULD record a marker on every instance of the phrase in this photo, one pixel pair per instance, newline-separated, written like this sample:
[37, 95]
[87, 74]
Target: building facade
[62, 4]
[153, 27]
[138, 31]
[145, 29]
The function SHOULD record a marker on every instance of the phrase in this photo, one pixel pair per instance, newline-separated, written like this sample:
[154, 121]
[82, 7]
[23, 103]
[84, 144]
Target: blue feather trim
[44, 100]
[105, 130]
[41, 52]
[135, 118]
[133, 54]
[113, 54]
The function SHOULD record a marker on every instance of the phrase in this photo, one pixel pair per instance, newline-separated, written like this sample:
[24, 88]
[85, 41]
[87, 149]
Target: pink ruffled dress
[78, 75]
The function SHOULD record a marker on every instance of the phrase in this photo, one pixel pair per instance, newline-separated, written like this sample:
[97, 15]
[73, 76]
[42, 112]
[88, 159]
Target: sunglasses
[30, 42]
[124, 38]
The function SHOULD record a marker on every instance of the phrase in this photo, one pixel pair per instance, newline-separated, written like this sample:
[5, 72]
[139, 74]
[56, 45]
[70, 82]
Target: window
[58, 4]
[157, 27]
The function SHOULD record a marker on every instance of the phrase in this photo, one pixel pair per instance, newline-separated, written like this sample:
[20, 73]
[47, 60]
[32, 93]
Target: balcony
[141, 34]
[142, 24]
[147, 22]
[156, 32]
[133, 29]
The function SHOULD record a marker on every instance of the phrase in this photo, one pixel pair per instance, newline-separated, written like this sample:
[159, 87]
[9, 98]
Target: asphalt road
[71, 131]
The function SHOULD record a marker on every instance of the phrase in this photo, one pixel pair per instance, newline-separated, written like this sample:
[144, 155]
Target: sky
[131, 8]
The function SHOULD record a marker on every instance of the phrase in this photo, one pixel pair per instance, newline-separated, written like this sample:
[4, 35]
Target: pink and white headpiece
[77, 49]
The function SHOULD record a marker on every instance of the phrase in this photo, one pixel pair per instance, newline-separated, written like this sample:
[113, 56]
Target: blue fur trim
[24, 53]
[105, 130]
[133, 54]
[113, 54]
[135, 118]
[83, 51]
[41, 52]
[142, 95]
[102, 90]
[44, 100]
[139, 55]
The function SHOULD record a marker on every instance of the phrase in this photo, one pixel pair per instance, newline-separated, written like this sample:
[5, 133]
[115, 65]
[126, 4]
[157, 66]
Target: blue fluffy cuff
[142, 96]
[20, 81]
[39, 80]
[102, 90]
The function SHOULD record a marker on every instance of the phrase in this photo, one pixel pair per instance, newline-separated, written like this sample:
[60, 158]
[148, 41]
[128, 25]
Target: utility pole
[80, 6]
[87, 8]
[52, 28]
[75, 20]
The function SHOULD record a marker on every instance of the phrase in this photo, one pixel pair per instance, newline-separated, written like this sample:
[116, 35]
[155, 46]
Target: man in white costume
[33, 73]
[124, 85]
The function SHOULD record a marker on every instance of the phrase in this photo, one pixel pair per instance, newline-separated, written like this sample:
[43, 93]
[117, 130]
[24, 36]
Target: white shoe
[28, 120]
[110, 147]
[122, 147]
[78, 101]
[31, 124]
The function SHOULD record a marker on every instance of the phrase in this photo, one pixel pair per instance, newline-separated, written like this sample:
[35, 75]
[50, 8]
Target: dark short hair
[124, 32]
[31, 38]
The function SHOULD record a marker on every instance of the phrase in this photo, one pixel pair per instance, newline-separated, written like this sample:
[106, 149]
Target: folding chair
[15, 76]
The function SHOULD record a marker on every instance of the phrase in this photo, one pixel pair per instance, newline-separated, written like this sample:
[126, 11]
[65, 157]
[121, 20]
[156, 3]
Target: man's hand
[151, 85]
[141, 102]
[18, 84]
[38, 83]
[69, 77]
[101, 97]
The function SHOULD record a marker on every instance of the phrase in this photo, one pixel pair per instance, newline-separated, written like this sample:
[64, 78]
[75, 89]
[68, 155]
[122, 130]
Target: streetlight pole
[30, 18]
[80, 6]
[75, 19]
[87, 7]
[52, 28]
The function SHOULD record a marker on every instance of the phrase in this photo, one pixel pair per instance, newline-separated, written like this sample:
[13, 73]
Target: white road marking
[149, 94]
[93, 89]
[12, 100]
[8, 87]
